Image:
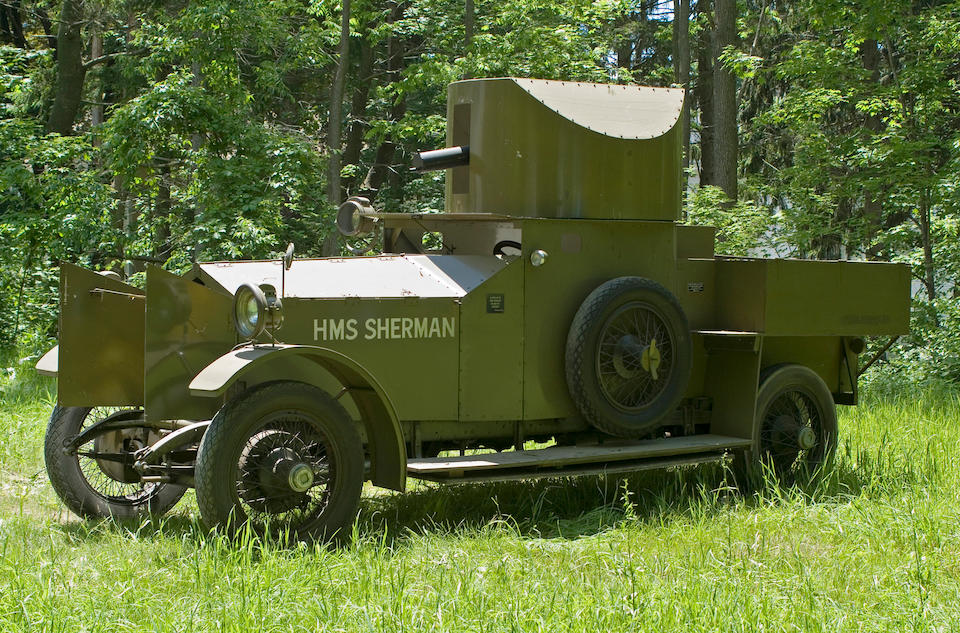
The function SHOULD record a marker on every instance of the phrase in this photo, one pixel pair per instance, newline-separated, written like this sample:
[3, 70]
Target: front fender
[384, 435]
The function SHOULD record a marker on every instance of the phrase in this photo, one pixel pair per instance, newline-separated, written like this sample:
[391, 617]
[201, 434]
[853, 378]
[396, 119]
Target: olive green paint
[491, 348]
[581, 256]
[420, 374]
[533, 159]
[809, 298]
[375, 410]
[101, 340]
[567, 172]
[187, 327]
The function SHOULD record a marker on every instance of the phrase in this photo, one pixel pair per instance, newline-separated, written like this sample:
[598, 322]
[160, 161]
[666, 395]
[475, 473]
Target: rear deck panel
[789, 297]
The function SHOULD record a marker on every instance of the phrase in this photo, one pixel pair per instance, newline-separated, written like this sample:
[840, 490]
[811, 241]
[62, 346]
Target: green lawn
[874, 547]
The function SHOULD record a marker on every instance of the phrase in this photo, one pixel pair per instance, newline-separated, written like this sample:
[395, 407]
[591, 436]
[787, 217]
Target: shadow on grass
[565, 508]
[583, 506]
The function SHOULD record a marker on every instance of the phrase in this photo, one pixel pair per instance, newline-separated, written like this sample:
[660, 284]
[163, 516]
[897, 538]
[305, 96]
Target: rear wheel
[796, 423]
[97, 479]
[282, 457]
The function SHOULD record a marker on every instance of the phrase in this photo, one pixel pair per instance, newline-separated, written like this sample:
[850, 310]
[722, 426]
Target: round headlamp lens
[250, 313]
[249, 306]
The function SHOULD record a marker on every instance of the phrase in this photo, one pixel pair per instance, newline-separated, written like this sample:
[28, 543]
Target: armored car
[556, 319]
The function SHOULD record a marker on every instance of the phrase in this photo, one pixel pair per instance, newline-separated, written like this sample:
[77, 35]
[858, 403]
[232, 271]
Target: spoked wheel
[98, 480]
[796, 423]
[635, 357]
[283, 457]
[628, 356]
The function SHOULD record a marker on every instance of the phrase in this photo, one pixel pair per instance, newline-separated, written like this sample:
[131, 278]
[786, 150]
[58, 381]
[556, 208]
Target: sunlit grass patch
[872, 545]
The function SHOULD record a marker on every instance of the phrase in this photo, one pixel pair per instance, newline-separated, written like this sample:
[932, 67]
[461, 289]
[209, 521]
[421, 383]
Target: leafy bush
[742, 228]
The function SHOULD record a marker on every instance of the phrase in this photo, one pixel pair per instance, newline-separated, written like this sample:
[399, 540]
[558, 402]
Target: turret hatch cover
[628, 112]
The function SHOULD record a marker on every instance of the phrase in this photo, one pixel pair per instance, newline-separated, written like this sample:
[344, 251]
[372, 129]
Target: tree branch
[137, 258]
[103, 59]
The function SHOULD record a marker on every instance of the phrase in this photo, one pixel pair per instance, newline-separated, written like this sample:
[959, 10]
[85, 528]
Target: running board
[562, 461]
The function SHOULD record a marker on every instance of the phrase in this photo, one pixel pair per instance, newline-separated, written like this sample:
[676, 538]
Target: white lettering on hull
[385, 328]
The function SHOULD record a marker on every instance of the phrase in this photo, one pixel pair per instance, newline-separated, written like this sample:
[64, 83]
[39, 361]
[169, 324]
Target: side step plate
[557, 461]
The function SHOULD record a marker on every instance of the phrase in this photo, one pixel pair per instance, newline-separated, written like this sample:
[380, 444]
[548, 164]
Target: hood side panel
[188, 327]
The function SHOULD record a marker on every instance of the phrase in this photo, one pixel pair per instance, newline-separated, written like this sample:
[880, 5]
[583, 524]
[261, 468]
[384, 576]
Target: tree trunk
[47, 25]
[625, 55]
[129, 234]
[96, 110]
[382, 169]
[725, 100]
[70, 71]
[161, 213]
[358, 110]
[468, 23]
[872, 206]
[6, 31]
[192, 212]
[624, 49]
[829, 244]
[927, 244]
[11, 24]
[336, 109]
[704, 92]
[377, 174]
[681, 11]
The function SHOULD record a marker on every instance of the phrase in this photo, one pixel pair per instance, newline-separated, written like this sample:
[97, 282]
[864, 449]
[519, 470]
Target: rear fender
[384, 435]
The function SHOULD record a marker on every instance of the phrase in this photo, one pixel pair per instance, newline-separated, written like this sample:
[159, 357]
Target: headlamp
[256, 308]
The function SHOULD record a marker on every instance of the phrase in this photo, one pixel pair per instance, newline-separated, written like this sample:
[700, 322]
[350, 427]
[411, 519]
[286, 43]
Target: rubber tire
[776, 380]
[581, 352]
[232, 426]
[72, 487]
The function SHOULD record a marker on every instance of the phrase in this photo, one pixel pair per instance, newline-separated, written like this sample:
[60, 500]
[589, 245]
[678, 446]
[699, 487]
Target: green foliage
[856, 126]
[52, 208]
[932, 351]
[214, 118]
[742, 228]
[212, 145]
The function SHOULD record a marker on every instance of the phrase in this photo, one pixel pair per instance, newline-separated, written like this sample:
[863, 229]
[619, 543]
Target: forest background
[136, 132]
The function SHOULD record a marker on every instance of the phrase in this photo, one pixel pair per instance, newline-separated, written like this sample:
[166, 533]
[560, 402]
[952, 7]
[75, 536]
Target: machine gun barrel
[445, 158]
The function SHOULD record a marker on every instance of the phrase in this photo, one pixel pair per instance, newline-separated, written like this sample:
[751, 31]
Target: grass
[875, 546]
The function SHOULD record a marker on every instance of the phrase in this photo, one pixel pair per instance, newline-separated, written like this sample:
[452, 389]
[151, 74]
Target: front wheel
[283, 457]
[796, 423]
[97, 479]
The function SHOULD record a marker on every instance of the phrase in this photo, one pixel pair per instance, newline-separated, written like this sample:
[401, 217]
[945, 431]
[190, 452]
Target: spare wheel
[628, 356]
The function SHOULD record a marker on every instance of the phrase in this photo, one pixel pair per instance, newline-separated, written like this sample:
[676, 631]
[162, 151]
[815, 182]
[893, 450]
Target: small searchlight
[355, 217]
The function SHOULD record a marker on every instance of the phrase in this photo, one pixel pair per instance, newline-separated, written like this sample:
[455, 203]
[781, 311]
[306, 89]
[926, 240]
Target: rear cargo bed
[791, 297]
